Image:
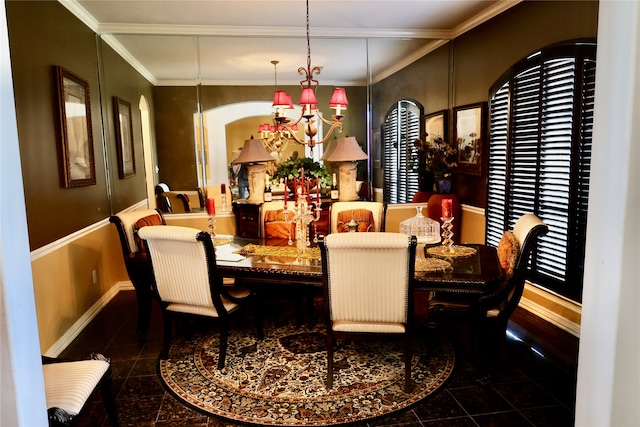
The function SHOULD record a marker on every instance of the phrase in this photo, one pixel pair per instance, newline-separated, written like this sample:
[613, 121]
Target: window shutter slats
[400, 129]
[540, 158]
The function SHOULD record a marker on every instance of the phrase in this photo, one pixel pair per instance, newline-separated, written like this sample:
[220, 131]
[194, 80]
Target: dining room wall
[44, 34]
[462, 71]
[70, 237]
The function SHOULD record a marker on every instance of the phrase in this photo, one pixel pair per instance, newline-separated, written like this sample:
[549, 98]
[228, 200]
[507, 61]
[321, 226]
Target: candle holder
[223, 201]
[212, 225]
[303, 214]
[447, 234]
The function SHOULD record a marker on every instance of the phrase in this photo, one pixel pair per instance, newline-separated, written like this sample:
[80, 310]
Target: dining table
[473, 270]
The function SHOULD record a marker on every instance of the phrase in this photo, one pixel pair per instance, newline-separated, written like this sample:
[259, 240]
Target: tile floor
[534, 391]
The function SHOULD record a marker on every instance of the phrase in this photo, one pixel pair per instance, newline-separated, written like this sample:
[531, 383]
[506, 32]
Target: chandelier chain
[308, 42]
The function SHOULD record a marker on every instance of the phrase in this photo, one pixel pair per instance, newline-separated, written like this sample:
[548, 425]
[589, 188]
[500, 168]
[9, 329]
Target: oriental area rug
[280, 381]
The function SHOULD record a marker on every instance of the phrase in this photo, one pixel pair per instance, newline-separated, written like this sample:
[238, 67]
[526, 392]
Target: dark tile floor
[533, 391]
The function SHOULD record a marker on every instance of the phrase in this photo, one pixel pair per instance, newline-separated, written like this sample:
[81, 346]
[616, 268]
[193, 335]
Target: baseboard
[56, 349]
[552, 316]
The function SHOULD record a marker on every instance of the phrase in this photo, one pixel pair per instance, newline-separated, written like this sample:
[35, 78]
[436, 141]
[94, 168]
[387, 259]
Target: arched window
[400, 129]
[541, 119]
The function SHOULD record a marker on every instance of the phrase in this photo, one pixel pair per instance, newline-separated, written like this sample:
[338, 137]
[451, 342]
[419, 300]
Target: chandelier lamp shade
[309, 103]
[254, 155]
[347, 152]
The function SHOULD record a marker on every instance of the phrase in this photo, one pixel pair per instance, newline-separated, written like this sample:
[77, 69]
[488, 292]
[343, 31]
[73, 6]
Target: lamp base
[348, 190]
[257, 175]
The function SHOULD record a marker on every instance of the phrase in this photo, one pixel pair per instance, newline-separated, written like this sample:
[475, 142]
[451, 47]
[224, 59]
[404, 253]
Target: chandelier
[275, 137]
[309, 104]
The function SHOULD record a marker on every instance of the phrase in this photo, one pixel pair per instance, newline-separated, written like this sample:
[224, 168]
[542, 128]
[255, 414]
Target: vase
[425, 181]
[444, 185]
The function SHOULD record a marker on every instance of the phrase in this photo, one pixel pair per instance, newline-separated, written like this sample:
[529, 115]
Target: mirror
[204, 112]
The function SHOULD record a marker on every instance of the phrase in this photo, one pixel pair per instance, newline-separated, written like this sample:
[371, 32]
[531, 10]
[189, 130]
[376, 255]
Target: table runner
[422, 264]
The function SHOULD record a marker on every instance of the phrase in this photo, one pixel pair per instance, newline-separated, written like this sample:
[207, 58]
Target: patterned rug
[280, 380]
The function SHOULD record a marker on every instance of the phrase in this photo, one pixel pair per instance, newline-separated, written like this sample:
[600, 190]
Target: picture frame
[76, 155]
[469, 136]
[124, 138]
[435, 125]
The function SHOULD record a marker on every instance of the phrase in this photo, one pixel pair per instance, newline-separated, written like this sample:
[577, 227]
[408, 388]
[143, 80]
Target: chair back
[527, 230]
[126, 222]
[376, 209]
[368, 280]
[272, 223]
[184, 265]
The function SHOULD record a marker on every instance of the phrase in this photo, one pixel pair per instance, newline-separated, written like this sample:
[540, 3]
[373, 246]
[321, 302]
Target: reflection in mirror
[212, 97]
[228, 126]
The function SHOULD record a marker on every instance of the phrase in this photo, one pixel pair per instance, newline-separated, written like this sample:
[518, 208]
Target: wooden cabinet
[247, 219]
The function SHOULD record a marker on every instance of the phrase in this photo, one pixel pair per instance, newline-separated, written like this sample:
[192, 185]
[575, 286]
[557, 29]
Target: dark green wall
[43, 34]
[122, 81]
[462, 71]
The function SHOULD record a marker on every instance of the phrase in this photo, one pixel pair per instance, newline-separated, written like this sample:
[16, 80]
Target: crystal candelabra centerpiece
[304, 211]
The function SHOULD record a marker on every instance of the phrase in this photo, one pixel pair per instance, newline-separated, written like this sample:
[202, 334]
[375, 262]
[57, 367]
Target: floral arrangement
[291, 168]
[437, 156]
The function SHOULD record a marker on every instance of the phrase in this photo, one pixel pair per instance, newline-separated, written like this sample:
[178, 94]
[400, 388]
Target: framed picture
[78, 166]
[124, 138]
[435, 125]
[468, 135]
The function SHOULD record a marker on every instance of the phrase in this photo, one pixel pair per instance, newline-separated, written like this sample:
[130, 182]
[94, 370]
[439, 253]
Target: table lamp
[347, 152]
[253, 154]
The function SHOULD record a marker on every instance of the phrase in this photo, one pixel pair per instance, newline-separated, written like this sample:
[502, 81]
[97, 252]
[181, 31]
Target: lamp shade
[347, 150]
[308, 96]
[329, 148]
[339, 99]
[281, 99]
[253, 152]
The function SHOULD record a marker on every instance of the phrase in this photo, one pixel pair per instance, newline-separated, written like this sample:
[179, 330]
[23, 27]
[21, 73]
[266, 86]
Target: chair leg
[329, 360]
[408, 353]
[224, 338]
[108, 399]
[168, 331]
[144, 296]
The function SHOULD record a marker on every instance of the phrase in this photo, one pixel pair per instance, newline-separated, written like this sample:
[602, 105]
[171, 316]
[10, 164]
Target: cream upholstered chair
[368, 289]
[187, 281]
[135, 260]
[68, 384]
[490, 316]
[376, 209]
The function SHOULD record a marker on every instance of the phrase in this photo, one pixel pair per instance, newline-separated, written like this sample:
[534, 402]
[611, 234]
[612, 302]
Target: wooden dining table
[275, 261]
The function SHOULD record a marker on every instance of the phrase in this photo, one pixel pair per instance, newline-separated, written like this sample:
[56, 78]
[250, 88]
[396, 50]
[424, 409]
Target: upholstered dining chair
[187, 281]
[68, 384]
[369, 215]
[368, 290]
[135, 260]
[490, 316]
[272, 221]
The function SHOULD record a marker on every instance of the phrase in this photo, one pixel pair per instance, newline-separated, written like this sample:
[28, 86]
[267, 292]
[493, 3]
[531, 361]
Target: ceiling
[232, 42]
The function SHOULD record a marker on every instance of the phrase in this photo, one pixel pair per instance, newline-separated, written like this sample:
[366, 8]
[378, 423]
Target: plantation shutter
[401, 128]
[539, 159]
